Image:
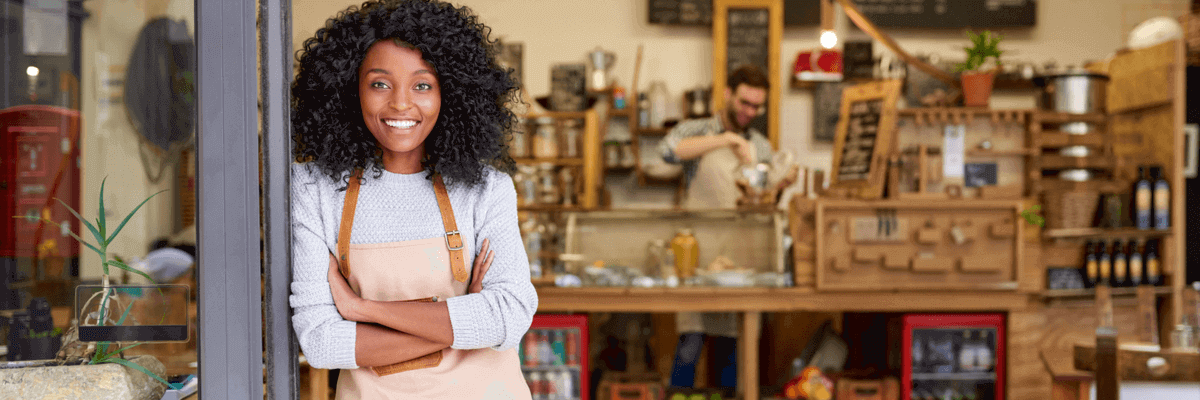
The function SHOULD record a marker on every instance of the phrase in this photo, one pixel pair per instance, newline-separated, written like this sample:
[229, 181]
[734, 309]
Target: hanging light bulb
[828, 39]
[32, 71]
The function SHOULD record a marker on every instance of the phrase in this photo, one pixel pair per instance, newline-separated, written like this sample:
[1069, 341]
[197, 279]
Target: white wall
[1067, 31]
[109, 148]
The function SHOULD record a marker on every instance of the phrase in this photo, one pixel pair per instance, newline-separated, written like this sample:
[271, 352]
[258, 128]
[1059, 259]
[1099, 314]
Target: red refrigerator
[953, 356]
[554, 357]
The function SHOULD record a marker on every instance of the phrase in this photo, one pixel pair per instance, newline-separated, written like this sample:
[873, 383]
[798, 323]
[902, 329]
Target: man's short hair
[747, 75]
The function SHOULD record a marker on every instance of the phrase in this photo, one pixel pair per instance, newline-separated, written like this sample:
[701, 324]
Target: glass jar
[547, 187]
[529, 185]
[612, 154]
[570, 139]
[687, 253]
[567, 178]
[545, 141]
[520, 143]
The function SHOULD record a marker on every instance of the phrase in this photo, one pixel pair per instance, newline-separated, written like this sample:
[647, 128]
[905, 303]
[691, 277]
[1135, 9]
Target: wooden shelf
[558, 114]
[556, 161]
[1052, 162]
[1103, 233]
[1091, 293]
[651, 131]
[1059, 118]
[627, 111]
[625, 299]
[618, 170]
[548, 208]
[1000, 153]
[1061, 139]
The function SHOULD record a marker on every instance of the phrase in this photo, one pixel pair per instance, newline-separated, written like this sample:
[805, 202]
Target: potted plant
[977, 73]
[89, 367]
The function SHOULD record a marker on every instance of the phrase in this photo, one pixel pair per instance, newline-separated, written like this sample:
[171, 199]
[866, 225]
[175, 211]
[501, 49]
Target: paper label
[952, 151]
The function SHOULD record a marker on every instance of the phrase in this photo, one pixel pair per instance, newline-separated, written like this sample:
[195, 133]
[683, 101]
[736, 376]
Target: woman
[401, 127]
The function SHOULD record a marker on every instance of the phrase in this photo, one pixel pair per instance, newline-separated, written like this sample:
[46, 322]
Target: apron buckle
[460, 242]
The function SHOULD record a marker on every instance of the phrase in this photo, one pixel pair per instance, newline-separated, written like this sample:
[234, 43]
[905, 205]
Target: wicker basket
[1067, 209]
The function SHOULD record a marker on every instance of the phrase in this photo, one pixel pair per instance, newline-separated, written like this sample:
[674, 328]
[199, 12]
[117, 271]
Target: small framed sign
[864, 138]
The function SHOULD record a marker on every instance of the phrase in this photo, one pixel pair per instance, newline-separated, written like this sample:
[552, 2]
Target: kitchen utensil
[1074, 91]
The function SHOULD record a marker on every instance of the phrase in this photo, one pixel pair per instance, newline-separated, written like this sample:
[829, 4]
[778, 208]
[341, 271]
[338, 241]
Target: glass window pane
[97, 115]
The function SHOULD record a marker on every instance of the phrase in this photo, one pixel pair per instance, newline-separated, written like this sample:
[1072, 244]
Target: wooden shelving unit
[1084, 294]
[1102, 233]
[588, 165]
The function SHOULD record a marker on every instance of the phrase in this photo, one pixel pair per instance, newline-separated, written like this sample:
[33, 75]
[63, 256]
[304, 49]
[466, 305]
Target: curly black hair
[475, 123]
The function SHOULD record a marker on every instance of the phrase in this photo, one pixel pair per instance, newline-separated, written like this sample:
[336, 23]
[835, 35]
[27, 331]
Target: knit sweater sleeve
[500, 314]
[325, 337]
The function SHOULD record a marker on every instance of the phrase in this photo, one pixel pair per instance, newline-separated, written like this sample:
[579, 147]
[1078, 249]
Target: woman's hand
[483, 261]
[348, 303]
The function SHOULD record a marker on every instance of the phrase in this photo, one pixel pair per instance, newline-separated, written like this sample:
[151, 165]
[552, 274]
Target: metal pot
[1076, 91]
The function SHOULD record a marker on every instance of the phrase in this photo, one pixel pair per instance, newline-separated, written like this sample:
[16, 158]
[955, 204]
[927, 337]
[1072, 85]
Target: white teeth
[405, 124]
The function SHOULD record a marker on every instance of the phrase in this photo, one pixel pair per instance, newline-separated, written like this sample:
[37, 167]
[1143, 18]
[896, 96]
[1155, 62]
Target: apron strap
[348, 207]
[454, 241]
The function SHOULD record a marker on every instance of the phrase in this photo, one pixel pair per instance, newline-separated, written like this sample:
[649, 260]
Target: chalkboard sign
[568, 87]
[802, 12]
[864, 137]
[950, 13]
[680, 12]
[749, 31]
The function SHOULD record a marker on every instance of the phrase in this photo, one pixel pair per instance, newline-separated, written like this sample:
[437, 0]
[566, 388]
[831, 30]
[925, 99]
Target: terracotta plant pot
[977, 88]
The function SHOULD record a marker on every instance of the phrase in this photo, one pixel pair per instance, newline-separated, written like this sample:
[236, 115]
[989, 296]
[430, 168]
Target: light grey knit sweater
[401, 207]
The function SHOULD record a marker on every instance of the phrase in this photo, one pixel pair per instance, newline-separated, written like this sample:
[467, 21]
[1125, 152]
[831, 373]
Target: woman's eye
[379, 85]
[424, 86]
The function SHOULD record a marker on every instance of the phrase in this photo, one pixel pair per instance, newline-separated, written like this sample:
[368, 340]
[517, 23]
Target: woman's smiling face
[400, 99]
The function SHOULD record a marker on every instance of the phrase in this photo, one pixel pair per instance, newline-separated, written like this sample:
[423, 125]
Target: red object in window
[566, 337]
[39, 163]
[926, 367]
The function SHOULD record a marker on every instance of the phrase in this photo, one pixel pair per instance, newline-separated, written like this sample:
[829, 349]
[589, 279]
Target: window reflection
[95, 91]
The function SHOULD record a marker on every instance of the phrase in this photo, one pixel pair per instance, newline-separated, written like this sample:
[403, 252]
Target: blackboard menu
[950, 13]
[802, 12]
[861, 132]
[749, 32]
[680, 12]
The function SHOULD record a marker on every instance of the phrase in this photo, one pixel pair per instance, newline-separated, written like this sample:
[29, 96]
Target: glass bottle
[1092, 265]
[520, 143]
[1141, 204]
[1153, 266]
[1105, 264]
[687, 253]
[567, 177]
[1162, 199]
[547, 188]
[1136, 268]
[545, 142]
[570, 139]
[1120, 264]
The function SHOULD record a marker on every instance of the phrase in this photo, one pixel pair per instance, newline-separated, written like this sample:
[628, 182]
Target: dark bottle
[1105, 264]
[1136, 267]
[1120, 265]
[1142, 195]
[1091, 265]
[1153, 264]
[1162, 199]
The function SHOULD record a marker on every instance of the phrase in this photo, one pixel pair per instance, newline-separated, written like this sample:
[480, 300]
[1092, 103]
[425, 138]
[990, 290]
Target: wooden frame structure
[720, 56]
[883, 93]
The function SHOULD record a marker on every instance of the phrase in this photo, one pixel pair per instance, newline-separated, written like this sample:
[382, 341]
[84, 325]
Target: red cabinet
[554, 357]
[953, 356]
[39, 163]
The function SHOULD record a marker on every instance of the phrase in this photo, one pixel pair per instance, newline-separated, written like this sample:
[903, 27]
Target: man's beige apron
[422, 270]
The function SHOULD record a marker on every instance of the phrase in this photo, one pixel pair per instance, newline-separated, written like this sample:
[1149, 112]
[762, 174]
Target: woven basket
[1067, 209]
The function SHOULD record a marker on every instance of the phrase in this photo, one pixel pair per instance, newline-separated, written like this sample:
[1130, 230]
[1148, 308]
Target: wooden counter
[554, 299]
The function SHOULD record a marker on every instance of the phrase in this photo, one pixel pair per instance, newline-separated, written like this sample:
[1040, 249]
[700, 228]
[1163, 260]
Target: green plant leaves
[133, 365]
[1032, 217]
[984, 45]
[126, 267]
[127, 217]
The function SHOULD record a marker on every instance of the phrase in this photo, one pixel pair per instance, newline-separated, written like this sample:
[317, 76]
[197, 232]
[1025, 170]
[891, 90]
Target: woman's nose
[400, 101]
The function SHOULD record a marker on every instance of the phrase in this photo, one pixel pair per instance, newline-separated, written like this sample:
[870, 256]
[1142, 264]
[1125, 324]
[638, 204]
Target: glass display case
[554, 357]
[953, 356]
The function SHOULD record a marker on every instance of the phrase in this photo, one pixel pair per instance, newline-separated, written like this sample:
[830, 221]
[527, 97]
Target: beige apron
[422, 270]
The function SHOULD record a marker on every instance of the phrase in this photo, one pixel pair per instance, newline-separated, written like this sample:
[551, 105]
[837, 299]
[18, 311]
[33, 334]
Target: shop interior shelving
[588, 165]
